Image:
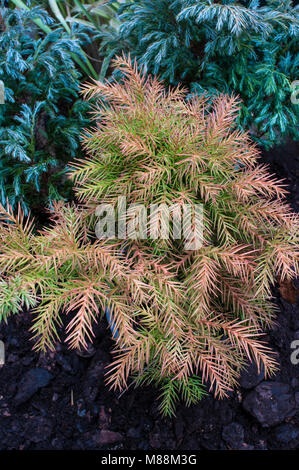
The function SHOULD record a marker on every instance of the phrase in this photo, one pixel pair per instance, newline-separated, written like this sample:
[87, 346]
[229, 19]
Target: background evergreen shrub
[246, 47]
[43, 115]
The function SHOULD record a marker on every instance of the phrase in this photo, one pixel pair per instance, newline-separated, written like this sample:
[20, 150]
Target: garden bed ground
[59, 401]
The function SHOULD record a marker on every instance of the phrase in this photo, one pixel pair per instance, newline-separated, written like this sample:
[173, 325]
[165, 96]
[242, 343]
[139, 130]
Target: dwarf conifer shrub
[244, 47]
[42, 115]
[182, 318]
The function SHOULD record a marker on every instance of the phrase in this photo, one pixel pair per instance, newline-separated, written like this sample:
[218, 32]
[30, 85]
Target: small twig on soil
[124, 391]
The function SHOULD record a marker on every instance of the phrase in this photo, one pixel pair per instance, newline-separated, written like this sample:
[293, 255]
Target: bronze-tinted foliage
[179, 314]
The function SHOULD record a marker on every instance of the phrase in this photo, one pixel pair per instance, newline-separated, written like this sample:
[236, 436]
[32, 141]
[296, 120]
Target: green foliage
[98, 16]
[248, 48]
[91, 13]
[191, 391]
[14, 297]
[42, 117]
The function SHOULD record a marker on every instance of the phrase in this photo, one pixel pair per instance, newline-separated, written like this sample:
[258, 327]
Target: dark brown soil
[59, 401]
